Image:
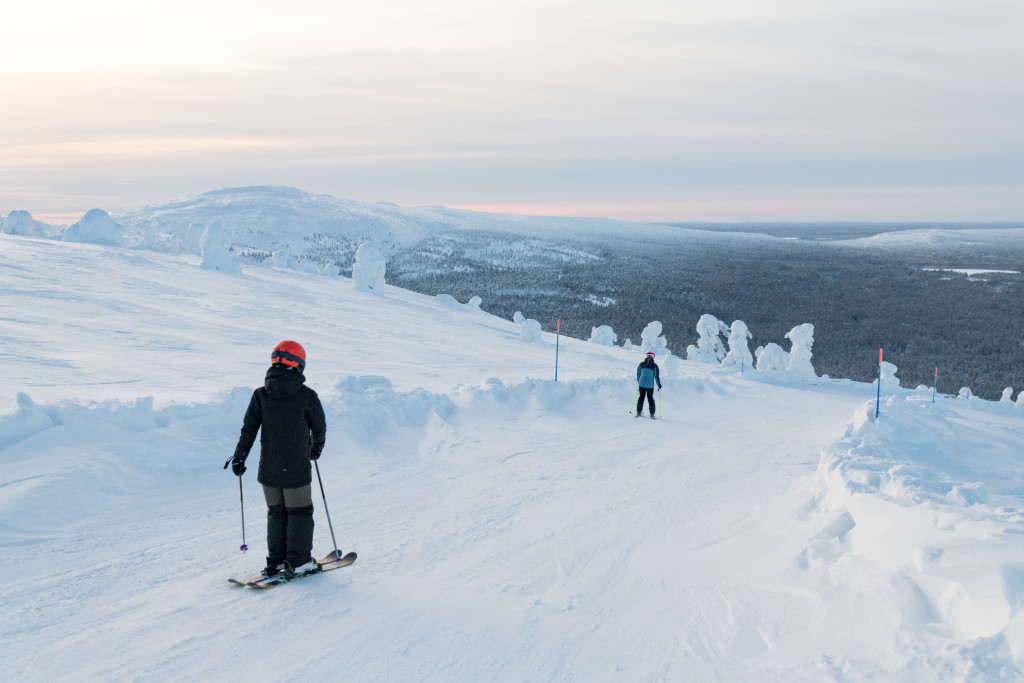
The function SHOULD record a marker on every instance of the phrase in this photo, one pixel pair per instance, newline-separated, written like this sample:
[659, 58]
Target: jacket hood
[281, 383]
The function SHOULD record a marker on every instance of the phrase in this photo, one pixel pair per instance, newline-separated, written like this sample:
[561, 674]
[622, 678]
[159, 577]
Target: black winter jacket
[293, 424]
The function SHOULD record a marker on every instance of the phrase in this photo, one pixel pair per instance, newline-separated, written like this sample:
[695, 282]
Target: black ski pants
[649, 393]
[289, 524]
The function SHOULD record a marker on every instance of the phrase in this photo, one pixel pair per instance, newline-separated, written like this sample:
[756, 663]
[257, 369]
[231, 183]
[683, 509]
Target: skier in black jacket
[294, 429]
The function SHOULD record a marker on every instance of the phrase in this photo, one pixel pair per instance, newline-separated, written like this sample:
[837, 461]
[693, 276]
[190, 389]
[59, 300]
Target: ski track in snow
[508, 528]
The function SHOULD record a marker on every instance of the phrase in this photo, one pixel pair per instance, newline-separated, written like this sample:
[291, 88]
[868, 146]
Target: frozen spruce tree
[530, 332]
[709, 348]
[282, 259]
[651, 339]
[368, 269]
[889, 378]
[1007, 396]
[21, 223]
[603, 335]
[772, 358]
[802, 337]
[215, 247]
[518, 318]
[739, 351]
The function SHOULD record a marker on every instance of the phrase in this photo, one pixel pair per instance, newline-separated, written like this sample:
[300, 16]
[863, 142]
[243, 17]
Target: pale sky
[679, 110]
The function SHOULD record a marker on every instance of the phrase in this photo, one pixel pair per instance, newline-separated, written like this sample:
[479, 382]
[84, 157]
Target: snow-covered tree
[518, 318]
[530, 332]
[21, 223]
[739, 351]
[709, 348]
[652, 340]
[368, 269]
[802, 338]
[889, 378]
[603, 335]
[215, 247]
[772, 358]
[96, 227]
[1007, 396]
[193, 239]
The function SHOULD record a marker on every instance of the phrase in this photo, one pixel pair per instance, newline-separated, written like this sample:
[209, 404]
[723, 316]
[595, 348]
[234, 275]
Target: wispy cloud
[503, 103]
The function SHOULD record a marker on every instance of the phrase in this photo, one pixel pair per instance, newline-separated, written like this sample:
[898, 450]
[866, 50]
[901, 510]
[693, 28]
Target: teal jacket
[647, 374]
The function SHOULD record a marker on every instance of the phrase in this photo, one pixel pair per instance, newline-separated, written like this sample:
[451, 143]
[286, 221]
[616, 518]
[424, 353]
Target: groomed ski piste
[509, 527]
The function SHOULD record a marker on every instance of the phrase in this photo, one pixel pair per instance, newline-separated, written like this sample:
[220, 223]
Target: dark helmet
[290, 354]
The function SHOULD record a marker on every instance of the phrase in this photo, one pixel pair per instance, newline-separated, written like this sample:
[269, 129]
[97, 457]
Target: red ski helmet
[650, 354]
[290, 354]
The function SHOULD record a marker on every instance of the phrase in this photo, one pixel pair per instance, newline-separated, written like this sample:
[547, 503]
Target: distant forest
[859, 299]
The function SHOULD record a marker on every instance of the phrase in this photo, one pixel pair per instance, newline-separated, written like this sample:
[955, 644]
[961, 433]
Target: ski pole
[241, 499]
[337, 554]
[634, 399]
[661, 407]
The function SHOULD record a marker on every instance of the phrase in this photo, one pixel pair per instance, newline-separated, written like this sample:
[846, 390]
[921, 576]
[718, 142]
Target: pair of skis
[334, 560]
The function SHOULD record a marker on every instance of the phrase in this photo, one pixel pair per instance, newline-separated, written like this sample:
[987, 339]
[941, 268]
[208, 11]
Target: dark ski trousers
[649, 393]
[289, 524]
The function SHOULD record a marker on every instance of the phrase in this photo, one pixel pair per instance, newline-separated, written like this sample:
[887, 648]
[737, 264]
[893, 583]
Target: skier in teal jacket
[647, 375]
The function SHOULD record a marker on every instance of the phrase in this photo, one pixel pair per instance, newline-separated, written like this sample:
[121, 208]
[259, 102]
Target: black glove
[238, 466]
[315, 454]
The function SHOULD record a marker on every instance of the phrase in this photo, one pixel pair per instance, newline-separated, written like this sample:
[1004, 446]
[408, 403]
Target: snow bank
[448, 300]
[916, 494]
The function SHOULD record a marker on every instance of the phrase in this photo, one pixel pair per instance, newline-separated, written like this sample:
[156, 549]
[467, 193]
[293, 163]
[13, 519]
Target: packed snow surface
[509, 527]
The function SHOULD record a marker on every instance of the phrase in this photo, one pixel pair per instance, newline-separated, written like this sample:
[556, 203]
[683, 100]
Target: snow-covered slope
[510, 528]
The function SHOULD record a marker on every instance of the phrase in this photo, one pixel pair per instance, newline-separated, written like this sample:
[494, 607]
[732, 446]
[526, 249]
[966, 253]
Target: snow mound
[914, 496]
[96, 227]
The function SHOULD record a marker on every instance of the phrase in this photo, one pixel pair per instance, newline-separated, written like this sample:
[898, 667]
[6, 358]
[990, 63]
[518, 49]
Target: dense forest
[859, 298]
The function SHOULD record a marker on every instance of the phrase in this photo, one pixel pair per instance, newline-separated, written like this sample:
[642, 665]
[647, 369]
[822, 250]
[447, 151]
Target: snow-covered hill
[510, 527]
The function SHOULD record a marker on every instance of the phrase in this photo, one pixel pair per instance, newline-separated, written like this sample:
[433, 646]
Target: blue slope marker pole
[558, 326]
[935, 385]
[878, 399]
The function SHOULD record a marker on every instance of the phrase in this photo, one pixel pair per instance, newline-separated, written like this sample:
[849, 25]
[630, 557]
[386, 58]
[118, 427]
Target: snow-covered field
[509, 528]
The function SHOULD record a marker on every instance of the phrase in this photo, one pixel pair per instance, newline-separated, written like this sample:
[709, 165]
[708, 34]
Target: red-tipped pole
[878, 399]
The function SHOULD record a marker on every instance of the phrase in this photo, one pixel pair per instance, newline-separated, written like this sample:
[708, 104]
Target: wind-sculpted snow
[916, 496]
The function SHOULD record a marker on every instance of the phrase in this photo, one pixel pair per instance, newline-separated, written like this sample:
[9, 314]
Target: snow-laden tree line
[726, 345]
[859, 300]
